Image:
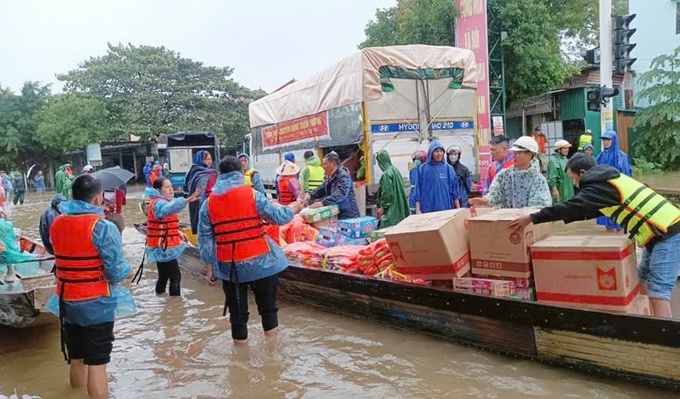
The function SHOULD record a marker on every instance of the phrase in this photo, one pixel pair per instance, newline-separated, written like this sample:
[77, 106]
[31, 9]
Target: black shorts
[93, 343]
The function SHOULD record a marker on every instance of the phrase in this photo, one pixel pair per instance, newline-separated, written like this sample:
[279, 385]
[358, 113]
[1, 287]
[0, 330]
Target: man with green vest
[312, 175]
[585, 139]
[649, 218]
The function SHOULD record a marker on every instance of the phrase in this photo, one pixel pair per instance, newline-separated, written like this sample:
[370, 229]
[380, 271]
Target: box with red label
[640, 306]
[500, 252]
[432, 246]
[358, 227]
[473, 285]
[596, 272]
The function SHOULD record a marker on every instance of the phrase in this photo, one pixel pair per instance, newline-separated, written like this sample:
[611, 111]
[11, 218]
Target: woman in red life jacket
[288, 185]
[165, 242]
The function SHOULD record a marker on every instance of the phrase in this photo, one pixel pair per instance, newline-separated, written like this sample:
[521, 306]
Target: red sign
[471, 34]
[484, 162]
[307, 128]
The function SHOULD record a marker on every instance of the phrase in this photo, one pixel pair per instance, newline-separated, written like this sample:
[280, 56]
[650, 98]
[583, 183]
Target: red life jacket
[79, 268]
[286, 196]
[492, 170]
[237, 226]
[163, 233]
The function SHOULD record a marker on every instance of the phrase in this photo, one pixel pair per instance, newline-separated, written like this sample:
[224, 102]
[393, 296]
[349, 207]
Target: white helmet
[559, 144]
[525, 143]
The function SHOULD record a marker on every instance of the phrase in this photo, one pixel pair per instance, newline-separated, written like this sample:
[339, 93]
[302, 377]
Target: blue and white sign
[409, 126]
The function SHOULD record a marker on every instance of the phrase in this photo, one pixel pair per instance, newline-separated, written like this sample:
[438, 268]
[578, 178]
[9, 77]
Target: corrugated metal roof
[590, 77]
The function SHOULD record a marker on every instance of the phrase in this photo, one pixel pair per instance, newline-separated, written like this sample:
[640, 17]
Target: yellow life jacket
[643, 213]
[316, 175]
[583, 140]
[248, 177]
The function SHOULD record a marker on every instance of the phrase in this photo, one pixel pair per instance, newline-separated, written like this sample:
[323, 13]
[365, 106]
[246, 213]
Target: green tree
[71, 122]
[17, 125]
[659, 123]
[149, 91]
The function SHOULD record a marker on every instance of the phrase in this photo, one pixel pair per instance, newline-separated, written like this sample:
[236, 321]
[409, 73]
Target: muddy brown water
[181, 348]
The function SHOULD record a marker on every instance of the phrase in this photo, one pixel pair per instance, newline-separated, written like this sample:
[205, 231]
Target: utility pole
[606, 62]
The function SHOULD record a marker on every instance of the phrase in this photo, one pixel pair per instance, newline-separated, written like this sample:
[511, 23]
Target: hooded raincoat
[198, 177]
[618, 159]
[392, 193]
[107, 240]
[60, 181]
[163, 208]
[437, 186]
[255, 178]
[413, 181]
[517, 188]
[255, 269]
[585, 147]
[312, 163]
[46, 220]
[557, 177]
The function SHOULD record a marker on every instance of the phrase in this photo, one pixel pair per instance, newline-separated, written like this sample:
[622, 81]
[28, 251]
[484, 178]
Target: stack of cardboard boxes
[345, 232]
[477, 252]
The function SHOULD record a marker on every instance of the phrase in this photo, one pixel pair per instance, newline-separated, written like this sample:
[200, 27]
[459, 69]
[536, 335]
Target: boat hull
[626, 347]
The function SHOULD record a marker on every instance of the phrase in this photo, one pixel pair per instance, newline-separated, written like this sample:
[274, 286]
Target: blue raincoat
[162, 209]
[255, 178]
[46, 220]
[413, 180]
[107, 240]
[437, 185]
[255, 269]
[197, 178]
[613, 156]
[147, 173]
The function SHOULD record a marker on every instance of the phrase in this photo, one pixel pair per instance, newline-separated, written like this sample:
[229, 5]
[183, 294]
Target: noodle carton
[358, 227]
[490, 287]
[313, 215]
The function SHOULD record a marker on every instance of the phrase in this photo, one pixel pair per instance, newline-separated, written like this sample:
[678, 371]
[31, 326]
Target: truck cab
[181, 148]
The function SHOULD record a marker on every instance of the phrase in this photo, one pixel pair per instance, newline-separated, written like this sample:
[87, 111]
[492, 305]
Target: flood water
[181, 348]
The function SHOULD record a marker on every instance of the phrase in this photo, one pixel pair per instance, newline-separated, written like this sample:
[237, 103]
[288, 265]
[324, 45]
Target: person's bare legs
[661, 308]
[97, 381]
[271, 333]
[240, 342]
[78, 373]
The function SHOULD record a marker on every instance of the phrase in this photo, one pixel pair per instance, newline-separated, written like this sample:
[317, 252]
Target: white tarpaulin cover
[356, 79]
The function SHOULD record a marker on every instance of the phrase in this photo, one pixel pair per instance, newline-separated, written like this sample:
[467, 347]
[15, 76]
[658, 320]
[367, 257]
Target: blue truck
[180, 150]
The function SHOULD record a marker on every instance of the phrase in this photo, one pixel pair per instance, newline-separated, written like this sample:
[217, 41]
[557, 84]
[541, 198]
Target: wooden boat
[23, 298]
[624, 347]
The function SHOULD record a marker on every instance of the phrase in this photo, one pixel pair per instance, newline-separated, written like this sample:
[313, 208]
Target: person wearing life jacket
[165, 242]
[89, 269]
[585, 139]
[252, 177]
[312, 174]
[233, 244]
[288, 185]
[542, 142]
[501, 157]
[646, 216]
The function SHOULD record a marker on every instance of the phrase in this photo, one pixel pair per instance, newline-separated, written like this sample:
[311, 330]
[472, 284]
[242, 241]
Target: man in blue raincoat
[437, 187]
[236, 250]
[611, 155]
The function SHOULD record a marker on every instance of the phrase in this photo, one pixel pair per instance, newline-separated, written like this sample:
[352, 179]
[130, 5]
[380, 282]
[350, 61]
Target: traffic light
[622, 44]
[592, 56]
[598, 96]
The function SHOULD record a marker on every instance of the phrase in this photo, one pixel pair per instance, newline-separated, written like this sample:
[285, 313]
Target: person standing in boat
[233, 245]
[165, 242]
[649, 218]
[336, 189]
[89, 268]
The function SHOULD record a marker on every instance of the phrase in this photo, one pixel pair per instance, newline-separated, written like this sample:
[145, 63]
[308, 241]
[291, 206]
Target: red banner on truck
[307, 128]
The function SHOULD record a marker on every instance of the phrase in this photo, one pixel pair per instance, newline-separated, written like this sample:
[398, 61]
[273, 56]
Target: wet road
[181, 348]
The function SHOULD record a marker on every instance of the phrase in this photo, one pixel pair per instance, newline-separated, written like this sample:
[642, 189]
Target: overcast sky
[268, 42]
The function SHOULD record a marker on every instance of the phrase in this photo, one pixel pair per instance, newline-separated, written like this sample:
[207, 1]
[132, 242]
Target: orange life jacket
[79, 268]
[286, 196]
[541, 141]
[163, 233]
[237, 226]
[492, 171]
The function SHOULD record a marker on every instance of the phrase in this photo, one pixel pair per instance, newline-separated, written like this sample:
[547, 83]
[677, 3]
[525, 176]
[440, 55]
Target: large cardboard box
[594, 272]
[500, 252]
[432, 246]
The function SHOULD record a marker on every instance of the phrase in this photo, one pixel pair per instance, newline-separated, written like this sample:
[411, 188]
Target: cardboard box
[640, 306]
[432, 246]
[473, 285]
[594, 272]
[328, 223]
[357, 227]
[500, 252]
[525, 294]
[344, 240]
[327, 237]
[313, 215]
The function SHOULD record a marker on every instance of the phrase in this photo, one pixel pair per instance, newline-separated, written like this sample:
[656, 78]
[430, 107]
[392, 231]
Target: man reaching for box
[646, 216]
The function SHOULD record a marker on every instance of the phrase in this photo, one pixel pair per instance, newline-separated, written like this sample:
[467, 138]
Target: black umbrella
[115, 177]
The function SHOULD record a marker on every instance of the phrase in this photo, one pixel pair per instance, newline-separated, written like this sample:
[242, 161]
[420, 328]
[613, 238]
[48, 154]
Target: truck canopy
[362, 77]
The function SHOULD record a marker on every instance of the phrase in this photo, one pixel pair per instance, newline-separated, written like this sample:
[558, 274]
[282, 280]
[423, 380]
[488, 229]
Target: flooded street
[181, 348]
